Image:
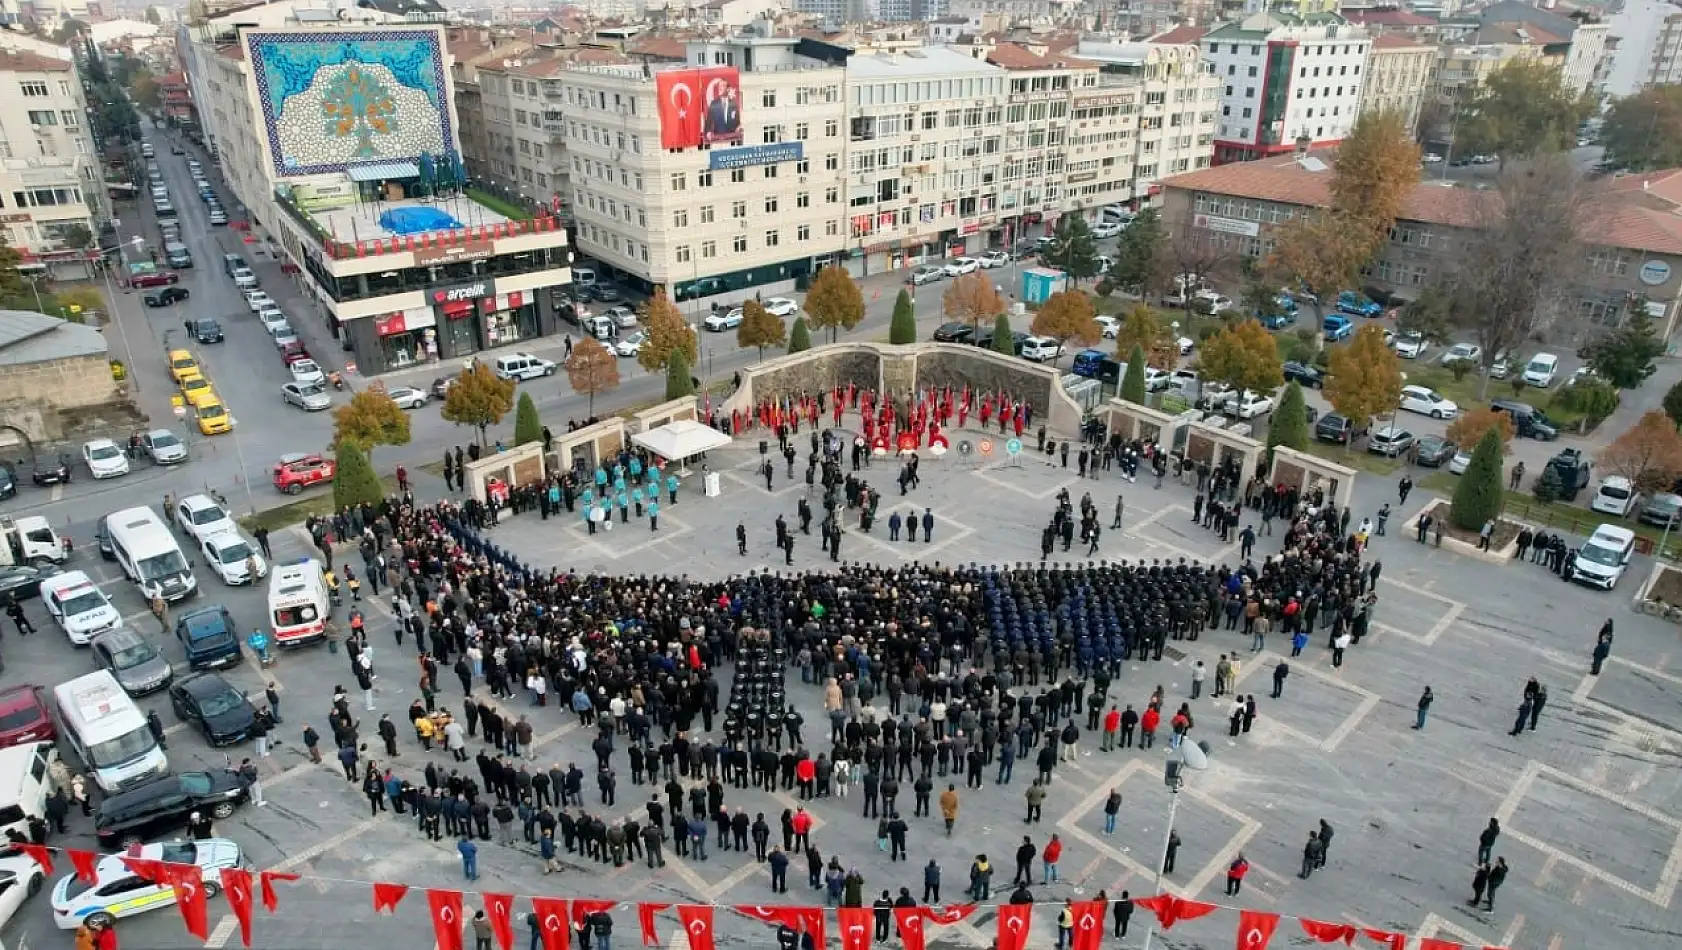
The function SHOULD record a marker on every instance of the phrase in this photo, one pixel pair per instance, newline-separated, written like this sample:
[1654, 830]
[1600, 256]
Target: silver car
[133, 661]
[164, 447]
[408, 397]
[309, 397]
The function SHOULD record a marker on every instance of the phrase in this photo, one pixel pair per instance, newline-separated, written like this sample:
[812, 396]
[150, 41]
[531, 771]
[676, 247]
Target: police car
[78, 606]
[118, 892]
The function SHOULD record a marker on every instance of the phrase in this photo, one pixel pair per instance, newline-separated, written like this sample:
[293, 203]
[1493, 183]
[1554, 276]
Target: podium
[710, 485]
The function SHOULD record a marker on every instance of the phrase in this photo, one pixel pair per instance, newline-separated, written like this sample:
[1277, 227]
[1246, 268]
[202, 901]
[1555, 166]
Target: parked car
[1390, 441]
[1664, 509]
[1460, 462]
[1574, 470]
[630, 344]
[408, 397]
[209, 637]
[201, 516]
[1336, 327]
[221, 713]
[1528, 421]
[1041, 349]
[205, 330]
[1470, 352]
[781, 307]
[163, 447]
[310, 397]
[1616, 496]
[1304, 375]
[166, 296]
[1428, 402]
[104, 458]
[1334, 427]
[1541, 369]
[25, 716]
[1411, 346]
[924, 274]
[294, 473]
[953, 333]
[137, 665]
[960, 266]
[991, 259]
[54, 470]
[1249, 405]
[1358, 304]
[1434, 451]
[164, 804]
[727, 320]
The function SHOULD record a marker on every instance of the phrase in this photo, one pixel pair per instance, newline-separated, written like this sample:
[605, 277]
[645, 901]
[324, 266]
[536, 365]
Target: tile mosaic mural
[335, 100]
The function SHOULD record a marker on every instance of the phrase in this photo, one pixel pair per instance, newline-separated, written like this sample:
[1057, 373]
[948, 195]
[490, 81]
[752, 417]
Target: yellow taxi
[213, 417]
[182, 365]
[196, 389]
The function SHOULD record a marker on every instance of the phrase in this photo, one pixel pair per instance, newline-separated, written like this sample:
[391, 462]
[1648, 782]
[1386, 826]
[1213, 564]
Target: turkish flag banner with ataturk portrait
[699, 106]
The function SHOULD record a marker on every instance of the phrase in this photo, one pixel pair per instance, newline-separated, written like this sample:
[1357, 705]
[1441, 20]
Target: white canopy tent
[681, 439]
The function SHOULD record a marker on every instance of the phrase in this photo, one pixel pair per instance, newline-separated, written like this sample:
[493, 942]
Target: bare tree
[1197, 254]
[1523, 250]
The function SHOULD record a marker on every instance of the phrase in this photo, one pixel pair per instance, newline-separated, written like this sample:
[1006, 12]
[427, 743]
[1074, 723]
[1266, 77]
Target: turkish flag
[236, 883]
[1089, 924]
[812, 922]
[266, 879]
[147, 869]
[1255, 929]
[87, 865]
[1014, 921]
[499, 908]
[1191, 910]
[446, 918]
[857, 927]
[189, 898]
[949, 914]
[1327, 932]
[1429, 943]
[1396, 941]
[698, 924]
[582, 909]
[645, 917]
[910, 921]
[388, 896]
[42, 854]
[552, 923]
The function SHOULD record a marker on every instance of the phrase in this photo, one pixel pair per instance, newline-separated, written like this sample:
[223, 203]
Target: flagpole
[1162, 853]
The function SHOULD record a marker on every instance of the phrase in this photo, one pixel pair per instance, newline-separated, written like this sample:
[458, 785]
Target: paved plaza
[1589, 802]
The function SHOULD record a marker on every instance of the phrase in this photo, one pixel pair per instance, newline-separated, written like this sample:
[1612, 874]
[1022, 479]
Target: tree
[1322, 251]
[1141, 328]
[1521, 255]
[760, 328]
[1433, 315]
[971, 299]
[1067, 315]
[1644, 131]
[146, 94]
[77, 236]
[1139, 257]
[1626, 356]
[1072, 250]
[369, 420]
[834, 301]
[678, 381]
[1673, 404]
[1366, 376]
[354, 481]
[1478, 495]
[479, 399]
[902, 329]
[1522, 110]
[799, 338]
[1469, 428]
[592, 370]
[528, 427]
[1133, 383]
[667, 334]
[1649, 454]
[1375, 171]
[1004, 341]
[1244, 356]
[1289, 424]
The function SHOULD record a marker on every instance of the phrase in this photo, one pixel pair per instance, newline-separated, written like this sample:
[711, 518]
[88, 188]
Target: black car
[219, 711]
[1433, 451]
[985, 340]
[1334, 427]
[166, 296]
[607, 293]
[23, 581]
[163, 805]
[953, 333]
[102, 537]
[1304, 375]
[205, 330]
[8, 481]
[51, 472]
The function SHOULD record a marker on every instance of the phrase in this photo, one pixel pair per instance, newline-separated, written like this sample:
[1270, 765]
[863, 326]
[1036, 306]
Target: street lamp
[1189, 755]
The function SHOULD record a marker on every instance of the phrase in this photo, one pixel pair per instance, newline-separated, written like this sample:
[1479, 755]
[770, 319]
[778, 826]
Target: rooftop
[933, 61]
[1013, 56]
[1400, 41]
[1391, 18]
[27, 337]
[17, 61]
[1180, 36]
[361, 222]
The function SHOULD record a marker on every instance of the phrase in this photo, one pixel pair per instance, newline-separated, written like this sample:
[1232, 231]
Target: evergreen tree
[1289, 424]
[903, 329]
[1133, 384]
[799, 337]
[355, 481]
[678, 381]
[1478, 497]
[527, 427]
[1003, 342]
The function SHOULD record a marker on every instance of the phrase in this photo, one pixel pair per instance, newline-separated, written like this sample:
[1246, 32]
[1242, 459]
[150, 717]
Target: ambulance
[298, 603]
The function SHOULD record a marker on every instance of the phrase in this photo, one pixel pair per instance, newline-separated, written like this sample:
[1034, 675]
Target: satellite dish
[1194, 756]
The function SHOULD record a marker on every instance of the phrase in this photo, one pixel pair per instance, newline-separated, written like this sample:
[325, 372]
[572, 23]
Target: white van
[24, 785]
[1616, 496]
[522, 366]
[1541, 369]
[583, 277]
[107, 732]
[1116, 214]
[298, 603]
[149, 554]
[30, 539]
[78, 606]
[1601, 561]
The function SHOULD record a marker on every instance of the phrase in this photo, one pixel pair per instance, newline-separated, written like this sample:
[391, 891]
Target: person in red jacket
[806, 771]
[802, 822]
[1147, 727]
[1235, 874]
[1053, 851]
[1112, 728]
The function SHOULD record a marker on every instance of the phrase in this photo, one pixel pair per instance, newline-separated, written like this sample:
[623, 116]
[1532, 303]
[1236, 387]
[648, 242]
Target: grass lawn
[1358, 459]
[1559, 514]
[505, 208]
[294, 512]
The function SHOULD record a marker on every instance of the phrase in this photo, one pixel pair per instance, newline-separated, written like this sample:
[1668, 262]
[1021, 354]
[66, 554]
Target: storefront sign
[320, 196]
[1222, 225]
[1100, 101]
[770, 154]
[970, 227]
[390, 324]
[15, 218]
[471, 251]
[473, 291]
[511, 301]
[1082, 176]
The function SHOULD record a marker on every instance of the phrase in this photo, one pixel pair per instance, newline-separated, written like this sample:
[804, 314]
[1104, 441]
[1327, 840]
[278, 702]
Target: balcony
[486, 218]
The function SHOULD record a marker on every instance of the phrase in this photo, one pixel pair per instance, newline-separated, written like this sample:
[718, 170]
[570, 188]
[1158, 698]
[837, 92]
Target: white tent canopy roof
[681, 439]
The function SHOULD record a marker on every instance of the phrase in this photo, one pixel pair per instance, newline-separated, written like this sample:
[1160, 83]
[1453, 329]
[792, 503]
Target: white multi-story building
[1649, 47]
[51, 183]
[400, 272]
[1176, 95]
[659, 202]
[1398, 76]
[1285, 77]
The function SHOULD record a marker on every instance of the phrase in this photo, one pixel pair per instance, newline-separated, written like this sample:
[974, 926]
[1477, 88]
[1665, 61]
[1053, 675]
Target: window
[831, 128]
[681, 253]
[802, 130]
[43, 118]
[771, 239]
[768, 99]
[770, 171]
[803, 233]
[33, 89]
[770, 204]
[703, 179]
[772, 133]
[738, 175]
[739, 243]
[831, 228]
[680, 181]
[680, 218]
[706, 214]
[709, 249]
[831, 195]
[738, 209]
[802, 200]
[831, 162]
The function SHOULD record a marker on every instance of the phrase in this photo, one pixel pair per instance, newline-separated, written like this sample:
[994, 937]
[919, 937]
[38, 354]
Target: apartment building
[1649, 47]
[1176, 96]
[1399, 68]
[51, 182]
[1285, 77]
[401, 274]
[722, 174]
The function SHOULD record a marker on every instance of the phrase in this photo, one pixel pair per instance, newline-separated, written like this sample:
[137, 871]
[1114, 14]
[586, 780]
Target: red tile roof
[1388, 18]
[660, 47]
[1013, 56]
[13, 61]
[1180, 36]
[1399, 41]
